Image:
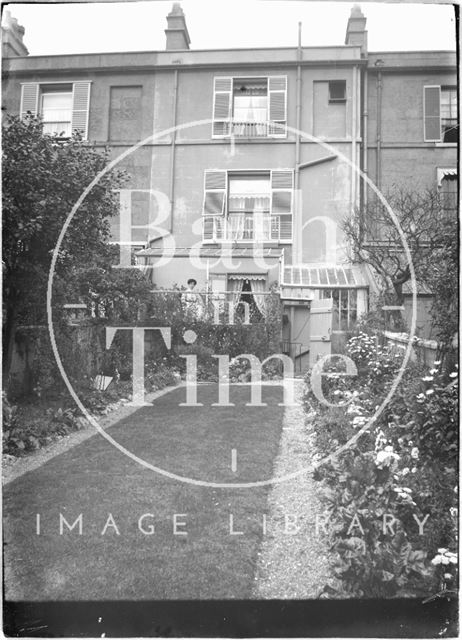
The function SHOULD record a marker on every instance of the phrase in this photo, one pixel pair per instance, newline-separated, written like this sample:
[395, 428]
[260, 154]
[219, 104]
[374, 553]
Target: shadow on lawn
[105, 494]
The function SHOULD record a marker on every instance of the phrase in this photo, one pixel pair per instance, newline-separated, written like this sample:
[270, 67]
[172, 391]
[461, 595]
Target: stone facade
[339, 111]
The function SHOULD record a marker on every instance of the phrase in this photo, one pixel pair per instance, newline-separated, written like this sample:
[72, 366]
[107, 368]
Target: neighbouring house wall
[407, 160]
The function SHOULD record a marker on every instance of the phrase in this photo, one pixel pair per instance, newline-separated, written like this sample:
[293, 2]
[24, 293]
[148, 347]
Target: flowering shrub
[391, 493]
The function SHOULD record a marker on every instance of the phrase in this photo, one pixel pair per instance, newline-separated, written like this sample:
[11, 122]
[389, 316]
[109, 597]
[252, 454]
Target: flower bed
[391, 494]
[36, 422]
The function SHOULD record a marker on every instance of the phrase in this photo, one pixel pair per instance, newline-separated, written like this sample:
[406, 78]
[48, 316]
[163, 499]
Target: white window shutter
[277, 101]
[222, 101]
[432, 120]
[29, 98]
[282, 191]
[214, 193]
[80, 108]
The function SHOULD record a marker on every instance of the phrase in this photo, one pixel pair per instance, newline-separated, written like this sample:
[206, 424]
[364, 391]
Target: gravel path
[293, 565]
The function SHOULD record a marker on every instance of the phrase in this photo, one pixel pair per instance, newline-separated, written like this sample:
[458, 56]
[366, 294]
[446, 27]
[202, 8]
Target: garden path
[293, 561]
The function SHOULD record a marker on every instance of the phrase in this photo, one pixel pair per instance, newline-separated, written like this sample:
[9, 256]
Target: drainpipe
[364, 142]
[171, 194]
[297, 228]
[378, 168]
[353, 137]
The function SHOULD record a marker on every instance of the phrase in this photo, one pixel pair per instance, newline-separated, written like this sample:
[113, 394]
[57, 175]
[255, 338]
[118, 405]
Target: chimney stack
[12, 36]
[356, 29]
[176, 31]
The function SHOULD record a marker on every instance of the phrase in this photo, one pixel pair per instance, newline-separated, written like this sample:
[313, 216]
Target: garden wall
[424, 352]
[81, 348]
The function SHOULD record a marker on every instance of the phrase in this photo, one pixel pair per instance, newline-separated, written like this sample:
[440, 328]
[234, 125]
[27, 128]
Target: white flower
[353, 408]
[454, 374]
[359, 421]
[428, 378]
[414, 453]
[433, 371]
[414, 469]
[405, 471]
[445, 560]
[437, 560]
[428, 392]
[448, 576]
[385, 458]
[437, 362]
[389, 449]
[442, 550]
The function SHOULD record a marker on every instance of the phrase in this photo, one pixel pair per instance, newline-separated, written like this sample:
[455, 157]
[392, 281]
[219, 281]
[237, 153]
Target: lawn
[95, 479]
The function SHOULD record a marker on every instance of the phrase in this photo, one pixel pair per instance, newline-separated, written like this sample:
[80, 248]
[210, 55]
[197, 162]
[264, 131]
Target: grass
[95, 479]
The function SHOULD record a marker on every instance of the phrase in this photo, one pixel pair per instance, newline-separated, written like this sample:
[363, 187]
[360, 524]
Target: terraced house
[252, 157]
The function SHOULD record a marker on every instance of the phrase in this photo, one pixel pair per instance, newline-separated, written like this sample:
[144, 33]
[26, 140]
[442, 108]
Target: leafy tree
[119, 293]
[43, 177]
[441, 276]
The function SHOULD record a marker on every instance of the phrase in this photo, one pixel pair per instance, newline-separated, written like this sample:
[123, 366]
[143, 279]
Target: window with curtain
[449, 123]
[249, 194]
[250, 100]
[56, 111]
[249, 202]
[249, 289]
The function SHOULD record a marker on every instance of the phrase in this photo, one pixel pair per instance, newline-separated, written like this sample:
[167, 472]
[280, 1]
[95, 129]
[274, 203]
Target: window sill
[445, 144]
[251, 139]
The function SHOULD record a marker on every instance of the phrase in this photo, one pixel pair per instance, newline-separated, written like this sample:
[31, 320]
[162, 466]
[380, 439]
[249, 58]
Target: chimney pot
[12, 38]
[356, 33]
[177, 31]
